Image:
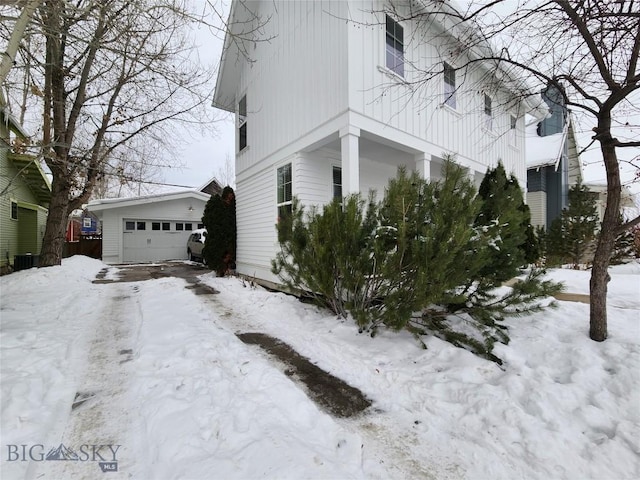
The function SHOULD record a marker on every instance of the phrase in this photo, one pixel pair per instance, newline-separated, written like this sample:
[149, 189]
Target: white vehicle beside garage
[195, 245]
[152, 228]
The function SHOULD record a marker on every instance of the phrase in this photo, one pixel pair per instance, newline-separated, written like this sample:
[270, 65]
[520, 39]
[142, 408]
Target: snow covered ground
[163, 388]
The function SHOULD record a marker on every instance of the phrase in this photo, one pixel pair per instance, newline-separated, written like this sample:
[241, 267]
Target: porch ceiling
[379, 149]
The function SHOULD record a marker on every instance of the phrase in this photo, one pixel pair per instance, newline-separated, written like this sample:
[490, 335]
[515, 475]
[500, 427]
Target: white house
[148, 229]
[329, 100]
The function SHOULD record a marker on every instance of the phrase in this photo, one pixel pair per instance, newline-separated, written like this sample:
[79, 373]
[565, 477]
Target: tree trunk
[54, 234]
[599, 275]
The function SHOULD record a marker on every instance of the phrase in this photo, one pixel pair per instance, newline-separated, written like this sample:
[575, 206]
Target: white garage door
[155, 240]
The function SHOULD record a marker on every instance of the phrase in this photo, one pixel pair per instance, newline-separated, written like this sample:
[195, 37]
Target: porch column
[349, 139]
[423, 165]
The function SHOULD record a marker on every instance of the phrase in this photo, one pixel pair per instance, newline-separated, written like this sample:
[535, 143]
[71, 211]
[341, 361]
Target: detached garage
[152, 228]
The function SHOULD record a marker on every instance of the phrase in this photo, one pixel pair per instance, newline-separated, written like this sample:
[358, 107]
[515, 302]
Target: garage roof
[109, 203]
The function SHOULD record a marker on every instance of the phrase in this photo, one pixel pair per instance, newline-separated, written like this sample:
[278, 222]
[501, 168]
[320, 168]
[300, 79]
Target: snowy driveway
[147, 374]
[150, 378]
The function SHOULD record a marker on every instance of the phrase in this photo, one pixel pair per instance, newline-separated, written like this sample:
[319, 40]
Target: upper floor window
[395, 47]
[488, 112]
[285, 191]
[512, 130]
[449, 85]
[14, 210]
[242, 123]
[337, 182]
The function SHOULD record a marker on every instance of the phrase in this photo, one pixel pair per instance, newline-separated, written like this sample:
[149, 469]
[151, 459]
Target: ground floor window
[14, 210]
[285, 191]
[337, 182]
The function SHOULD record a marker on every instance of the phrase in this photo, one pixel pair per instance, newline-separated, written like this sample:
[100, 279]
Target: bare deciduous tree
[107, 74]
[588, 49]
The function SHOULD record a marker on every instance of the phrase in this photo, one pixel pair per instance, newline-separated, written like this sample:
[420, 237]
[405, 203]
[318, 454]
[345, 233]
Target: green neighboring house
[25, 193]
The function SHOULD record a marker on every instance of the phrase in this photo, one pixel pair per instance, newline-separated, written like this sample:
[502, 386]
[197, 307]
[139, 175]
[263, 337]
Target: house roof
[544, 151]
[211, 186]
[109, 203]
[31, 172]
[240, 19]
[11, 122]
[483, 50]
[232, 58]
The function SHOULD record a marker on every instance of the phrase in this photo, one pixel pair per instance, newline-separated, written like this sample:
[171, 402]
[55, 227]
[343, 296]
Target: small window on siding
[155, 225]
[337, 182]
[188, 226]
[285, 191]
[201, 225]
[395, 47]
[166, 226]
[242, 123]
[449, 85]
[129, 225]
[488, 112]
[512, 129]
[141, 225]
[179, 226]
[14, 210]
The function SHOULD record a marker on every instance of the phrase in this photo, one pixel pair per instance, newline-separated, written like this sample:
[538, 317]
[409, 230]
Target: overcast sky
[204, 155]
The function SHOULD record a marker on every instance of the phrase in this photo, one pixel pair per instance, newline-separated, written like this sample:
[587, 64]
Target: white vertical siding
[299, 76]
[416, 106]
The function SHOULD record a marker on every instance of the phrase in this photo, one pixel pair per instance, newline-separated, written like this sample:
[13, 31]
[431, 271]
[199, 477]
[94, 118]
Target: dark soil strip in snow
[331, 393]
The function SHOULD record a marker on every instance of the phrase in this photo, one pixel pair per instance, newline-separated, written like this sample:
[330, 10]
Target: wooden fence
[90, 246]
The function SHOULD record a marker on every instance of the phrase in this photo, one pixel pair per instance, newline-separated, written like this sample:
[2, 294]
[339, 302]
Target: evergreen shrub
[420, 259]
[219, 218]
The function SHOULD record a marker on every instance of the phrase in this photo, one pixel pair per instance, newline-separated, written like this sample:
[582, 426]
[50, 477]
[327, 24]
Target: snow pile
[195, 402]
[45, 318]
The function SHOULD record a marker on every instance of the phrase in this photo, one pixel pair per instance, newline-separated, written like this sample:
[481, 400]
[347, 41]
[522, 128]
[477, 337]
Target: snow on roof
[543, 151]
[106, 203]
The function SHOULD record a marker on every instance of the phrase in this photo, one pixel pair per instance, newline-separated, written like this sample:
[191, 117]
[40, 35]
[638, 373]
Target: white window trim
[456, 89]
[332, 184]
[513, 132]
[490, 119]
[241, 120]
[384, 66]
[286, 202]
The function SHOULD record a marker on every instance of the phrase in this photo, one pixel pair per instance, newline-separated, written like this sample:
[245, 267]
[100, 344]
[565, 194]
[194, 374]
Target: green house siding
[23, 235]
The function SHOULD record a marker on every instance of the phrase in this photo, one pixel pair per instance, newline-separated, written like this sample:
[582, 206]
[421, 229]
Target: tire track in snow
[99, 413]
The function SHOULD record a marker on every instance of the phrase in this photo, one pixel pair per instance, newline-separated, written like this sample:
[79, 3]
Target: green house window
[14, 210]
